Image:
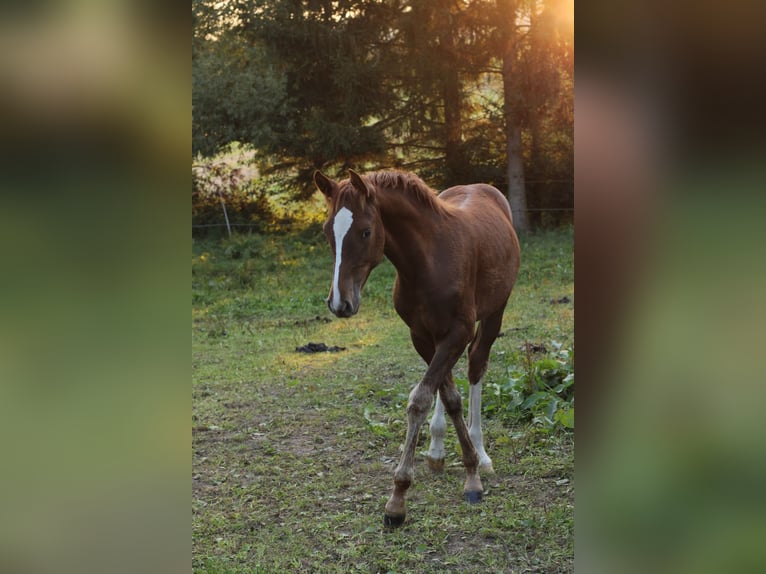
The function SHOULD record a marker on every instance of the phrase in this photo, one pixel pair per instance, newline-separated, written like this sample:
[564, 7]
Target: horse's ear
[361, 185]
[324, 184]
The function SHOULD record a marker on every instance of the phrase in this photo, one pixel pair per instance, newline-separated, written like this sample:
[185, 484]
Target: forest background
[455, 91]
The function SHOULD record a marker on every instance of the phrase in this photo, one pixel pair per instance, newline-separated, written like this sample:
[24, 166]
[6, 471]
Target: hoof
[393, 521]
[437, 465]
[486, 468]
[473, 497]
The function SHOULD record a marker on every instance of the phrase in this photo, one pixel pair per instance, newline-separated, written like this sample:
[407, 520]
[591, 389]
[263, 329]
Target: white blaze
[340, 227]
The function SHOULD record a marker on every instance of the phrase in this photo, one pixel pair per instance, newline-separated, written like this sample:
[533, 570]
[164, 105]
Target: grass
[293, 454]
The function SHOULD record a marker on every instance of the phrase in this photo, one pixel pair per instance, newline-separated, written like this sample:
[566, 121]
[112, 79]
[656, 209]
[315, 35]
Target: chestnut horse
[457, 257]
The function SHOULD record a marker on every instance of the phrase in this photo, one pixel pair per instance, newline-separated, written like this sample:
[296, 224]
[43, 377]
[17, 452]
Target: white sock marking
[438, 428]
[340, 226]
[474, 430]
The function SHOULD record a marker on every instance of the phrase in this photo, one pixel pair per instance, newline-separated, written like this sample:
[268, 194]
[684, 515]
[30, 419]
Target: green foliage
[291, 78]
[253, 201]
[218, 184]
[540, 390]
[370, 84]
[237, 92]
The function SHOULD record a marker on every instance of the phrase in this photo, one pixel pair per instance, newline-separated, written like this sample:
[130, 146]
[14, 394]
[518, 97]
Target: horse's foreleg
[417, 410]
[420, 400]
[436, 453]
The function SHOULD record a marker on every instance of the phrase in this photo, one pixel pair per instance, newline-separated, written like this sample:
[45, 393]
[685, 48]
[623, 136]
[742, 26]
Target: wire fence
[229, 225]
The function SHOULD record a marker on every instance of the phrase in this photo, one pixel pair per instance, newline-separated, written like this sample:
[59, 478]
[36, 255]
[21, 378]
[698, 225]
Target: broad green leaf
[566, 417]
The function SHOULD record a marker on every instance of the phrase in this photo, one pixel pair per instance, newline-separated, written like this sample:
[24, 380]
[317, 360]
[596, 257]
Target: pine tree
[456, 90]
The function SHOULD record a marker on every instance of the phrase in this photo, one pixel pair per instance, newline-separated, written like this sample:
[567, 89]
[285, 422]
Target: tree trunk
[454, 129]
[453, 125]
[536, 167]
[517, 195]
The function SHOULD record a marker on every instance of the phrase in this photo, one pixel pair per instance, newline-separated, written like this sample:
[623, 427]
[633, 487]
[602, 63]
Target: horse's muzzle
[345, 310]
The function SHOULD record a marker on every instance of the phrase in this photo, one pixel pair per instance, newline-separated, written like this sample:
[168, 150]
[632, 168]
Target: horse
[457, 257]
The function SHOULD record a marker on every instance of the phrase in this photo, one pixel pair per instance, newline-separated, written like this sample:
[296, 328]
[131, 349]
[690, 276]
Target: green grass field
[293, 454]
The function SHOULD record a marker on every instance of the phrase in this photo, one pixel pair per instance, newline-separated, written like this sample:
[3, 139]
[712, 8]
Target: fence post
[225, 215]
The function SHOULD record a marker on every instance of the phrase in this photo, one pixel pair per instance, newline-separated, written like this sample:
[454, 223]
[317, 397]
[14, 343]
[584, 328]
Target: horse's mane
[408, 183]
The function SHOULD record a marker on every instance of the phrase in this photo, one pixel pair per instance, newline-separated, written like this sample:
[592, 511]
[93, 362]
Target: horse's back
[475, 197]
[482, 207]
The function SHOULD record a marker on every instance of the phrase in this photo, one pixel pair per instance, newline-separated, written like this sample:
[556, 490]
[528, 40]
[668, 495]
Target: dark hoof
[390, 521]
[473, 497]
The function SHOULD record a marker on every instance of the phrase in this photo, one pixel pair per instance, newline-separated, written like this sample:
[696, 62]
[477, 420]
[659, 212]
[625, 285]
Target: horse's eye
[366, 233]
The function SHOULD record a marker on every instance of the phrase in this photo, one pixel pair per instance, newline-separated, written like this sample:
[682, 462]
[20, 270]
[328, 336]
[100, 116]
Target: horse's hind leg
[436, 452]
[453, 404]
[478, 358]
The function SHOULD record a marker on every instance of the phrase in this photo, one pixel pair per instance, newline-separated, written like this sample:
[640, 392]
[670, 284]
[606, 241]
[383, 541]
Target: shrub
[541, 390]
[216, 183]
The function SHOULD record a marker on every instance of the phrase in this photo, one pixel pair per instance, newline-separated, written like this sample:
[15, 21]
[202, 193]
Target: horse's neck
[410, 230]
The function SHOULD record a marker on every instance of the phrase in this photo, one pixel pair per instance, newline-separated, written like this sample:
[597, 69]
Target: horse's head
[355, 233]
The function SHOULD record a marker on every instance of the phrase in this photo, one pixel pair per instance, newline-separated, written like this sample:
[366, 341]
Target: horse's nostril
[345, 309]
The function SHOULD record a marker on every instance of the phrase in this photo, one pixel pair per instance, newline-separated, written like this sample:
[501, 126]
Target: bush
[218, 182]
[542, 390]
